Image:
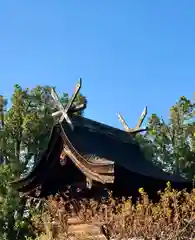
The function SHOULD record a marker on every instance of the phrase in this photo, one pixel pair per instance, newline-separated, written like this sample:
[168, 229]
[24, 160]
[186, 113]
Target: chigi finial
[137, 129]
[63, 111]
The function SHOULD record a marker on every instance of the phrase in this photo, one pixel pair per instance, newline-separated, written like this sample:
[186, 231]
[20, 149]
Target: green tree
[13, 224]
[26, 130]
[173, 143]
[28, 122]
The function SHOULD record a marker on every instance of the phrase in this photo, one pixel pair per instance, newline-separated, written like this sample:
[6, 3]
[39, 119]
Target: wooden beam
[64, 110]
[124, 124]
[77, 108]
[139, 130]
[60, 106]
[74, 95]
[141, 119]
[73, 109]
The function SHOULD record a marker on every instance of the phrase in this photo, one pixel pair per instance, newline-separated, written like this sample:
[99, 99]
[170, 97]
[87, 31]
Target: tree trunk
[17, 150]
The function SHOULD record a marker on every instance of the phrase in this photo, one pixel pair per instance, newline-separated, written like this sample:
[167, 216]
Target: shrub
[173, 217]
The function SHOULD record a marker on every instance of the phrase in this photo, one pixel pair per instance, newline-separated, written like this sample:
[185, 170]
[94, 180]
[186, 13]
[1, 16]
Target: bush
[173, 217]
[13, 224]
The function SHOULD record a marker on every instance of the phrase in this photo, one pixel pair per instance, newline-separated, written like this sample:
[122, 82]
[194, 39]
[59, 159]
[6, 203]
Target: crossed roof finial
[63, 111]
[137, 129]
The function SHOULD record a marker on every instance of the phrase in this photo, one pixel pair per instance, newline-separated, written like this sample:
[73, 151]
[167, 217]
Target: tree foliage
[171, 145]
[13, 223]
[25, 134]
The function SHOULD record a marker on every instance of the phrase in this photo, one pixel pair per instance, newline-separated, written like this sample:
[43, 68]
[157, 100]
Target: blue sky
[128, 53]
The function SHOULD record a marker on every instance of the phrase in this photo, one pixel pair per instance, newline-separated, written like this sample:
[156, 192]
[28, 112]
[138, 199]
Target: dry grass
[173, 217]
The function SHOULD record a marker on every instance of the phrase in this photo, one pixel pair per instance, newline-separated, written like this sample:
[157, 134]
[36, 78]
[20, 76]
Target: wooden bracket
[63, 111]
[137, 129]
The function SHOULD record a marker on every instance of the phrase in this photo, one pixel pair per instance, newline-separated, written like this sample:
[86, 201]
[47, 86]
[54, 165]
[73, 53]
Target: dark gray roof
[95, 149]
[100, 141]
